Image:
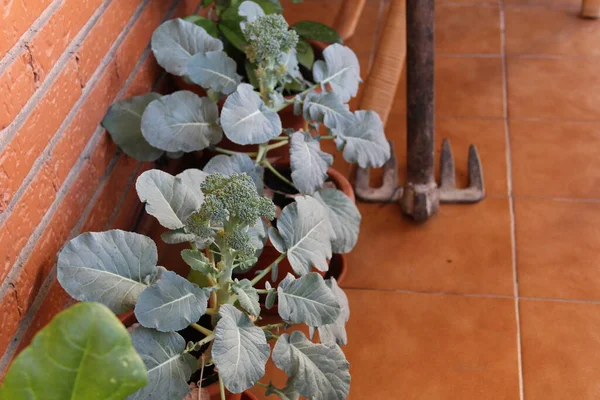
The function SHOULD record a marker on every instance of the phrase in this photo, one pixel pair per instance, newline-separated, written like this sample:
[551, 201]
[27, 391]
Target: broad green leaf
[240, 350]
[306, 233]
[247, 296]
[171, 303]
[83, 353]
[169, 368]
[206, 3]
[214, 70]
[236, 164]
[209, 26]
[167, 198]
[111, 267]
[363, 140]
[197, 261]
[326, 108]
[123, 121]
[308, 162]
[307, 300]
[247, 120]
[335, 333]
[182, 121]
[316, 371]
[177, 236]
[270, 6]
[232, 32]
[174, 42]
[311, 30]
[340, 69]
[305, 53]
[344, 217]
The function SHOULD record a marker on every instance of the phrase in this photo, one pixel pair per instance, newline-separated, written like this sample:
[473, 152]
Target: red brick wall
[62, 63]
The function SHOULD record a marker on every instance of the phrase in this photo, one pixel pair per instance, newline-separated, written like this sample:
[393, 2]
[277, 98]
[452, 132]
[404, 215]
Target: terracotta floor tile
[464, 87]
[558, 249]
[467, 28]
[554, 88]
[555, 158]
[552, 3]
[560, 343]
[550, 31]
[425, 347]
[469, 87]
[463, 249]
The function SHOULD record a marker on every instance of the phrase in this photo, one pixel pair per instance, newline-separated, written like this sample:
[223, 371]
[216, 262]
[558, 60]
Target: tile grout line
[511, 200]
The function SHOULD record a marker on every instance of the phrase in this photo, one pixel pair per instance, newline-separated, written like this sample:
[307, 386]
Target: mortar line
[28, 35]
[8, 133]
[46, 154]
[51, 277]
[511, 200]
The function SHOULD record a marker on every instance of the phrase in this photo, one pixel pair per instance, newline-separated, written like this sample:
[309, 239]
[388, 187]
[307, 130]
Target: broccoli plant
[224, 218]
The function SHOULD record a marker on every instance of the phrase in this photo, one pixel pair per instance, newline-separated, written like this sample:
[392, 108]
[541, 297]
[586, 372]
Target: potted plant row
[188, 332]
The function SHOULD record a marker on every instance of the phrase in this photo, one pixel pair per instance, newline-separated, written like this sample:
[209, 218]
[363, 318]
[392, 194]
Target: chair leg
[590, 9]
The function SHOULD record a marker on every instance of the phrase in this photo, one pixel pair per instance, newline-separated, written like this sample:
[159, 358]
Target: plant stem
[262, 291]
[273, 326]
[221, 388]
[278, 138]
[327, 137]
[267, 270]
[232, 153]
[262, 384]
[211, 311]
[282, 142]
[270, 167]
[202, 329]
[202, 342]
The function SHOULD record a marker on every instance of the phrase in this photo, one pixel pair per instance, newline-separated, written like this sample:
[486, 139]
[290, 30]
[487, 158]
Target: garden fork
[420, 196]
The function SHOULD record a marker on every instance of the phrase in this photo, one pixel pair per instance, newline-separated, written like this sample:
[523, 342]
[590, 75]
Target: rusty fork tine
[447, 172]
[388, 191]
[475, 170]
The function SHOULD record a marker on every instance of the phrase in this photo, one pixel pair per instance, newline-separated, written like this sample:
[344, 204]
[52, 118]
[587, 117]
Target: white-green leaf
[306, 233]
[177, 236]
[335, 333]
[309, 164]
[240, 350]
[290, 60]
[84, 353]
[247, 296]
[197, 261]
[182, 121]
[363, 140]
[307, 300]
[271, 297]
[124, 120]
[171, 303]
[276, 240]
[174, 42]
[258, 234]
[169, 368]
[237, 164]
[111, 267]
[344, 217]
[340, 69]
[214, 70]
[247, 120]
[326, 108]
[167, 198]
[193, 178]
[250, 11]
[316, 371]
[287, 393]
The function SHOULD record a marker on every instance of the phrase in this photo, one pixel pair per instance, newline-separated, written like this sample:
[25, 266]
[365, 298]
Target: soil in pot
[209, 377]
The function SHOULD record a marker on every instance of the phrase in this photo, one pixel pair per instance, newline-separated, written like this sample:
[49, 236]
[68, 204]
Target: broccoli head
[231, 204]
[268, 36]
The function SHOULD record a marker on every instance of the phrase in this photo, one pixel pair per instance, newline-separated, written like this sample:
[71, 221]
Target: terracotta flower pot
[128, 319]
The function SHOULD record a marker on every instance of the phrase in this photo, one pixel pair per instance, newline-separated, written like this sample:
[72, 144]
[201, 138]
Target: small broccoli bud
[268, 36]
[240, 241]
[235, 196]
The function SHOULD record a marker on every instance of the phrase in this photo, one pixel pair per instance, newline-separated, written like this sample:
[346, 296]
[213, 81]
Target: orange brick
[103, 35]
[17, 83]
[17, 17]
[51, 41]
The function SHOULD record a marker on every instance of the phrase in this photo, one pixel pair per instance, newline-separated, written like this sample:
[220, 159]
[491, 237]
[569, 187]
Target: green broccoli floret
[268, 36]
[231, 205]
